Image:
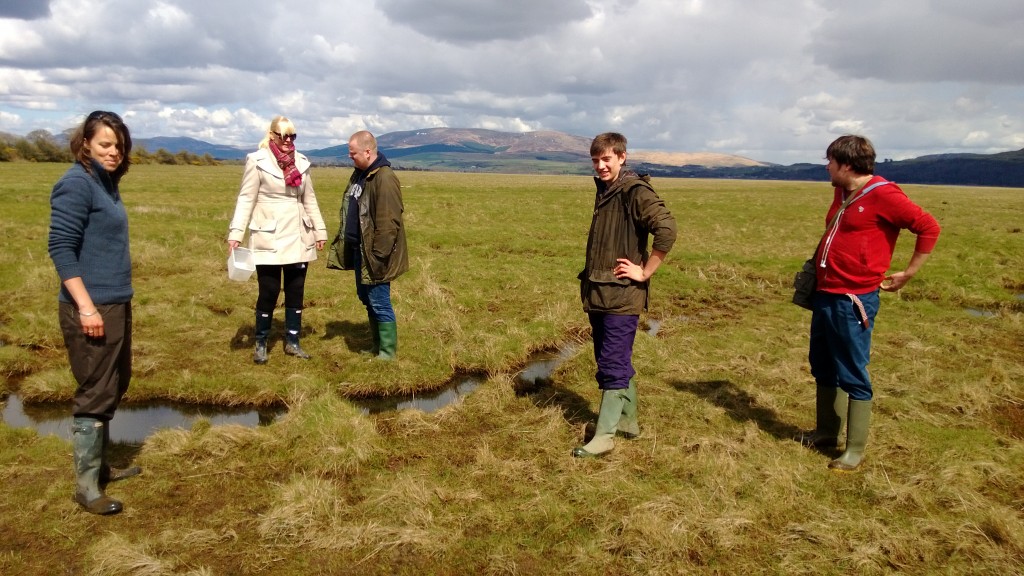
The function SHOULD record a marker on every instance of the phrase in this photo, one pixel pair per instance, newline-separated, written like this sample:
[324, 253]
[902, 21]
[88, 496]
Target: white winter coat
[284, 221]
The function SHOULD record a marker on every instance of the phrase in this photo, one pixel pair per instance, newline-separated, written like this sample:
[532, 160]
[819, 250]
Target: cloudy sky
[772, 80]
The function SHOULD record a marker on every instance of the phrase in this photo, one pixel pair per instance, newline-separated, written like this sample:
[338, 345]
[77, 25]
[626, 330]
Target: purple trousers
[613, 349]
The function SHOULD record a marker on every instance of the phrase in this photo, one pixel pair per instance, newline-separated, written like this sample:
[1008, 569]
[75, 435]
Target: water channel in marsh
[133, 423]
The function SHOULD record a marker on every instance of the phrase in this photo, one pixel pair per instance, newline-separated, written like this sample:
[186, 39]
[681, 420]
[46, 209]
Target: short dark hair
[613, 140]
[87, 129]
[853, 151]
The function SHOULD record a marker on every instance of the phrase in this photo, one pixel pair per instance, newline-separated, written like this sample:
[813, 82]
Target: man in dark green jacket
[371, 238]
[615, 280]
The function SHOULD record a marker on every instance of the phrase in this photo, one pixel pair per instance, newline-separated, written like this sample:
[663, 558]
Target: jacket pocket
[601, 291]
[376, 267]
[262, 233]
[607, 277]
[336, 253]
[384, 242]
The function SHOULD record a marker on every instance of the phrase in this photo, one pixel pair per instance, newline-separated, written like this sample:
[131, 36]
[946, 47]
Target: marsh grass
[714, 485]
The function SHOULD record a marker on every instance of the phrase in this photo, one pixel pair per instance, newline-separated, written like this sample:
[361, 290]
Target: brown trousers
[101, 366]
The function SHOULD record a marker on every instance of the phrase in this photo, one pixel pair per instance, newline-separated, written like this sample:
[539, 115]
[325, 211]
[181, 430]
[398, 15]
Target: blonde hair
[281, 125]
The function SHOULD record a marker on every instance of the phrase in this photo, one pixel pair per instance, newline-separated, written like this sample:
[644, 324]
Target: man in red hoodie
[852, 262]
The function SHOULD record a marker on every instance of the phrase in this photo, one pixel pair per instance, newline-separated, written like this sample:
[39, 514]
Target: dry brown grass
[715, 485]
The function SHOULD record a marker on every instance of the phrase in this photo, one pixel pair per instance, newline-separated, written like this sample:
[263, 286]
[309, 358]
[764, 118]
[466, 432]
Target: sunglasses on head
[293, 136]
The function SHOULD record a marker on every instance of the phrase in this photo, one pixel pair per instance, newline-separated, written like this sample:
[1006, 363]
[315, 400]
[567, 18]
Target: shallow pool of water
[131, 424]
[428, 402]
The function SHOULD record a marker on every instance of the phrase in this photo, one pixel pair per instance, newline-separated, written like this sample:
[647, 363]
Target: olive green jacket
[626, 213]
[382, 231]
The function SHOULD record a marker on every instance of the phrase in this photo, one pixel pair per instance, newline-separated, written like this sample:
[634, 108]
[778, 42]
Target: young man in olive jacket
[371, 238]
[615, 280]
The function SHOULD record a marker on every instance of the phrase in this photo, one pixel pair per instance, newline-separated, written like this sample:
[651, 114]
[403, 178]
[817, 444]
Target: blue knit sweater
[89, 235]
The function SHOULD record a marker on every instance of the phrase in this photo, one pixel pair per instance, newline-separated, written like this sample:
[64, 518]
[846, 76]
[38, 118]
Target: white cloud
[774, 80]
[472, 21]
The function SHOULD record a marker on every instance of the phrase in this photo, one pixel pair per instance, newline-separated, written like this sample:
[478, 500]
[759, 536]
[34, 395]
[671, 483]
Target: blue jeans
[613, 349]
[376, 297]
[840, 344]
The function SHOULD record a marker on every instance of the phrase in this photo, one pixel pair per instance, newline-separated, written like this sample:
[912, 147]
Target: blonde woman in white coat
[277, 207]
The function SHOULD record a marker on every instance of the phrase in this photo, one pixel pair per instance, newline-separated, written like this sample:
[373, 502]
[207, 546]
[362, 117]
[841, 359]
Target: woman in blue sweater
[88, 243]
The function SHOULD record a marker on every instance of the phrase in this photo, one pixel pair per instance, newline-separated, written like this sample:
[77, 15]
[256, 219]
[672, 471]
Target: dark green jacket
[383, 248]
[626, 213]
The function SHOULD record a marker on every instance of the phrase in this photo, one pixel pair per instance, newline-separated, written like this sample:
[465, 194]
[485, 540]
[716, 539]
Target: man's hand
[895, 281]
[626, 269]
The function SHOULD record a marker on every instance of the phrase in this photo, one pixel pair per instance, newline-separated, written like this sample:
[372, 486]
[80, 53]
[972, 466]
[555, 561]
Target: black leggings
[269, 276]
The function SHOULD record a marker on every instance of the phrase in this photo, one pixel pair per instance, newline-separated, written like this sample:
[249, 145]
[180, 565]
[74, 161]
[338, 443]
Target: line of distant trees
[41, 146]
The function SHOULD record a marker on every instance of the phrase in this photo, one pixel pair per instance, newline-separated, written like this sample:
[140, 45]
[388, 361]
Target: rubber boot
[831, 406]
[857, 425]
[293, 327]
[628, 427]
[87, 440]
[108, 473]
[603, 441]
[263, 322]
[388, 334]
[375, 335]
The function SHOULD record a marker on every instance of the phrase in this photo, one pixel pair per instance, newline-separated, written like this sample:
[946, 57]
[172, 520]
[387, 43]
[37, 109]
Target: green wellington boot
[292, 329]
[388, 334]
[603, 441]
[87, 442]
[375, 335]
[108, 473]
[831, 406]
[628, 427]
[857, 424]
[261, 333]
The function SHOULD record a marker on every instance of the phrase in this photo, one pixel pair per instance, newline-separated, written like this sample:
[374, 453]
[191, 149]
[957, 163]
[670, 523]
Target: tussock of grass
[115, 555]
[312, 512]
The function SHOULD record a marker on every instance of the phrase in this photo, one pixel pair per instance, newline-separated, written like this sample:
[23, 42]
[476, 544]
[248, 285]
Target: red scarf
[286, 160]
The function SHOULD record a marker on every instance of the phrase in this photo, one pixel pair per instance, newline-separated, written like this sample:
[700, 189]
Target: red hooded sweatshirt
[855, 258]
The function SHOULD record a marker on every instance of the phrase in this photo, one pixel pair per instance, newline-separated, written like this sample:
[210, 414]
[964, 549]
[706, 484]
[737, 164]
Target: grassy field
[714, 486]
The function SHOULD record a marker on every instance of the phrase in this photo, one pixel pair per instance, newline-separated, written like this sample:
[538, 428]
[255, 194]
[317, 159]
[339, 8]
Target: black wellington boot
[293, 327]
[262, 332]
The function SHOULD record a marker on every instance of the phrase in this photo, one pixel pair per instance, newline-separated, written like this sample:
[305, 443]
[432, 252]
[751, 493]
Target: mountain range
[548, 152]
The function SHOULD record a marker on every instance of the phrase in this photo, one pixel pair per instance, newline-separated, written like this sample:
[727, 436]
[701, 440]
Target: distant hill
[476, 150]
[705, 159]
[191, 145]
[547, 152]
[1005, 169]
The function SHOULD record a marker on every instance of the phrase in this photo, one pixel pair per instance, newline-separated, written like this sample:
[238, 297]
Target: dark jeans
[840, 344]
[101, 366]
[269, 277]
[613, 349]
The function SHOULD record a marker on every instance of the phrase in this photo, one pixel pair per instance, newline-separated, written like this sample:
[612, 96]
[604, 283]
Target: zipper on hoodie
[838, 217]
